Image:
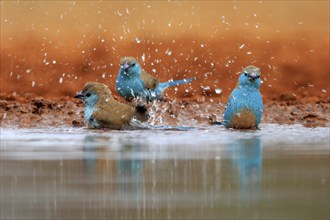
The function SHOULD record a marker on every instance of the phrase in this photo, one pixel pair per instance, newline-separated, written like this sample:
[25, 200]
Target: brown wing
[113, 114]
[150, 81]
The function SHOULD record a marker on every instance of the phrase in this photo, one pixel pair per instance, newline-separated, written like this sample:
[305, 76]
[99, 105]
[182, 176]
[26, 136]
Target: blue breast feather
[244, 98]
[130, 87]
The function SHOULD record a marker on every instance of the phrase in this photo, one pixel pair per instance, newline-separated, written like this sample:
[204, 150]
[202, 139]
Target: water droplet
[218, 91]
[206, 88]
[240, 47]
[28, 71]
[118, 13]
[168, 52]
[137, 40]
[60, 80]
[33, 83]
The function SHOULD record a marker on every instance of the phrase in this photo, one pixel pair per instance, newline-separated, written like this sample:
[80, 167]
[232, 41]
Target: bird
[133, 82]
[103, 111]
[245, 106]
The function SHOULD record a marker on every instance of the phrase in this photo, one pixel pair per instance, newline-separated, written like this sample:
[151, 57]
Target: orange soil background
[52, 49]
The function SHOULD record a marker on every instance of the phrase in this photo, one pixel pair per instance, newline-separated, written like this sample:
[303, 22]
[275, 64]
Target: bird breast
[244, 119]
[88, 113]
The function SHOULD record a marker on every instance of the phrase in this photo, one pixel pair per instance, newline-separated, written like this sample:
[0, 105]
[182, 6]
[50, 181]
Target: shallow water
[277, 172]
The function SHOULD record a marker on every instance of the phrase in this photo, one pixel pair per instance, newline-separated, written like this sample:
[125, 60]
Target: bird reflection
[118, 162]
[246, 160]
[93, 148]
[129, 168]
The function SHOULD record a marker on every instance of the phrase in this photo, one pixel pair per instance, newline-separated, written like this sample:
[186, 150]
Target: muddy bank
[36, 112]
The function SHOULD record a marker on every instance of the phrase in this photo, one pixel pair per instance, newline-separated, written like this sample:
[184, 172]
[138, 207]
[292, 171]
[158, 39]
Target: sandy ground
[38, 112]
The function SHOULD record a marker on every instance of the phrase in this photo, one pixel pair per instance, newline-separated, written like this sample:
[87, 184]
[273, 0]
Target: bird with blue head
[244, 107]
[133, 82]
[103, 111]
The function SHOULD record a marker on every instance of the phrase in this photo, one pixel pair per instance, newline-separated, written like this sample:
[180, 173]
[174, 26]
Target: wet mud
[36, 112]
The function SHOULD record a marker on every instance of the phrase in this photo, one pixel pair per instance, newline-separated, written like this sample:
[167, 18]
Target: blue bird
[133, 82]
[244, 108]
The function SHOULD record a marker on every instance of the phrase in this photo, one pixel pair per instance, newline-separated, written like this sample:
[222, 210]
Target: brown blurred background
[51, 48]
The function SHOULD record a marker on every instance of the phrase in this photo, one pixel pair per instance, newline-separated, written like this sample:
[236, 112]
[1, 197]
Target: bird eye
[88, 94]
[245, 74]
[258, 77]
[133, 65]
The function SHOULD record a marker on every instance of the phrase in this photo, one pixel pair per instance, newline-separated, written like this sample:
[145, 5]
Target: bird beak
[125, 66]
[253, 76]
[79, 95]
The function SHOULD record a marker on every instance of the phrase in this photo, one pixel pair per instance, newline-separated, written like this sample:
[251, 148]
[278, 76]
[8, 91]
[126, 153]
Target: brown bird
[103, 111]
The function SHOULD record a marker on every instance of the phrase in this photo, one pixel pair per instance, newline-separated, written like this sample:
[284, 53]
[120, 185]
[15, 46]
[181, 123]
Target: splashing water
[156, 111]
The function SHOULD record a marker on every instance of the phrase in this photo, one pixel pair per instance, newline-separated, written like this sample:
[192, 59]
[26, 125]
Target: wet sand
[36, 112]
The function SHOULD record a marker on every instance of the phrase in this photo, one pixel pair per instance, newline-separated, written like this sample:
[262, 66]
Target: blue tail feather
[165, 85]
[157, 93]
[162, 86]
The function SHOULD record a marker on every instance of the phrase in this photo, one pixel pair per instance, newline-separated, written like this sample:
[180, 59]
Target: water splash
[138, 125]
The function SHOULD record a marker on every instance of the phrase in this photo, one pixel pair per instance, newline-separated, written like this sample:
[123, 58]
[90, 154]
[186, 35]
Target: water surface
[277, 172]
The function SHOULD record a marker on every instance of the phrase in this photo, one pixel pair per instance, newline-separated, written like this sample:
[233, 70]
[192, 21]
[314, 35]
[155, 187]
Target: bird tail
[165, 85]
[162, 86]
[213, 120]
[141, 112]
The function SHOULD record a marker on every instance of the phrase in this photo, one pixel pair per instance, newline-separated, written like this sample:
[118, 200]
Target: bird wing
[113, 114]
[149, 81]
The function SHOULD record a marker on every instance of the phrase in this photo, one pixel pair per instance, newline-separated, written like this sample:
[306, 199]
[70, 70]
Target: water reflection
[118, 162]
[169, 175]
[93, 147]
[246, 161]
